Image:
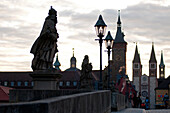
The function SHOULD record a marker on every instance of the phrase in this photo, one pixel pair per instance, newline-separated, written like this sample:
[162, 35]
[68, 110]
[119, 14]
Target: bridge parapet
[89, 102]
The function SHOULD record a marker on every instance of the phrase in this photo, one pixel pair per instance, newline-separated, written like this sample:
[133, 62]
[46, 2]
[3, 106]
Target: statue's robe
[45, 47]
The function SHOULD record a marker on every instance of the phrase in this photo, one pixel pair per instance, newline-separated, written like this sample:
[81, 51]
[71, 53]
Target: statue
[45, 47]
[86, 79]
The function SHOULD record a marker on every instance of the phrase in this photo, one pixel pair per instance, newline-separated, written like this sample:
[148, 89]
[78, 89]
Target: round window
[144, 93]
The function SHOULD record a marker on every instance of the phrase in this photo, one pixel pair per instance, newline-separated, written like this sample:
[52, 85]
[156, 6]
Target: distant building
[143, 83]
[161, 90]
[17, 80]
[71, 76]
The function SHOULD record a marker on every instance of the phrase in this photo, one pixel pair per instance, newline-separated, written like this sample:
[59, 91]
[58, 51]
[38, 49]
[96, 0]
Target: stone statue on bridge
[45, 77]
[86, 78]
[45, 47]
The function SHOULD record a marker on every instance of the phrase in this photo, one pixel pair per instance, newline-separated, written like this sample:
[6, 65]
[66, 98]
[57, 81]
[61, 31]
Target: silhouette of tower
[152, 77]
[137, 70]
[162, 68]
[57, 63]
[118, 51]
[153, 63]
[72, 64]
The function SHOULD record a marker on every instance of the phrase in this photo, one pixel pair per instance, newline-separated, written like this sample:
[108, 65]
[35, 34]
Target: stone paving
[138, 110]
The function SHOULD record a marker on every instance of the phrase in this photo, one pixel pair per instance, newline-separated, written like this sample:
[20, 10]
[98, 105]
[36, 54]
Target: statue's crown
[52, 11]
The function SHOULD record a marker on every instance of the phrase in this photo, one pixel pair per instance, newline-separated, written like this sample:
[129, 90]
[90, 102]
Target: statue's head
[52, 11]
[53, 14]
[86, 57]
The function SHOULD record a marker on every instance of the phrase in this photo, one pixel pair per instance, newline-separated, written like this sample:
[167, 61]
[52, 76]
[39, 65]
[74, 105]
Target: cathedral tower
[152, 77]
[153, 63]
[118, 51]
[162, 68]
[137, 70]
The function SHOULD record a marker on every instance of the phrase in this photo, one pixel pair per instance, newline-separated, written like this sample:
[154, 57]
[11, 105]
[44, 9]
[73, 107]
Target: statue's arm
[52, 31]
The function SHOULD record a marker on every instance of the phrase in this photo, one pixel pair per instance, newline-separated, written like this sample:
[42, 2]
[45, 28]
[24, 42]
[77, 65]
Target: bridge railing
[89, 102]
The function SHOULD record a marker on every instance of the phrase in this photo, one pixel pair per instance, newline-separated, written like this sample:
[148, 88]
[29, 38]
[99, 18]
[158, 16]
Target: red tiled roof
[4, 93]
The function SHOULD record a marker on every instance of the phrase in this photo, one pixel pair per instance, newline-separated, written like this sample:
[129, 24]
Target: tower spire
[57, 63]
[119, 22]
[119, 34]
[136, 56]
[162, 68]
[162, 61]
[152, 57]
[73, 52]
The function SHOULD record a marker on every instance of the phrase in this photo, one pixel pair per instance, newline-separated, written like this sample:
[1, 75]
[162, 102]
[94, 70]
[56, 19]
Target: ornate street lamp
[109, 42]
[100, 27]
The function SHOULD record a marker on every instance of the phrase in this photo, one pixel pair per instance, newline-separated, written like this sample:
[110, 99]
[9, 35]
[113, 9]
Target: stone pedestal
[86, 84]
[45, 79]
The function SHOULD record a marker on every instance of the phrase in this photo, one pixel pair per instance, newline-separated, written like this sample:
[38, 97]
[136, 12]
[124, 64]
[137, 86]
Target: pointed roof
[162, 61]
[73, 58]
[57, 63]
[152, 57]
[136, 56]
[119, 34]
[119, 22]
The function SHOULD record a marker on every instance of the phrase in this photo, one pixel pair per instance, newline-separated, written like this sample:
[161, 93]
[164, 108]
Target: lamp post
[109, 43]
[100, 27]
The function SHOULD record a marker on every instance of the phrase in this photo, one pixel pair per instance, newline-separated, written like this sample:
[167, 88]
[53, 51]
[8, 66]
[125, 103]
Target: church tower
[162, 68]
[73, 64]
[137, 70]
[57, 63]
[73, 61]
[118, 51]
[153, 63]
[152, 77]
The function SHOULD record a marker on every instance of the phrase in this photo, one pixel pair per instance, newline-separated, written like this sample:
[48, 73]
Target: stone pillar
[45, 79]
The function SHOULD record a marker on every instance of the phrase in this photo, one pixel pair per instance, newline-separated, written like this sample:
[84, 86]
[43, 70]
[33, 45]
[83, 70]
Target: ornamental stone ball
[45, 46]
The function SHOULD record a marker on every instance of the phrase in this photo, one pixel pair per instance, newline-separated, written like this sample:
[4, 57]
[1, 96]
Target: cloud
[22, 21]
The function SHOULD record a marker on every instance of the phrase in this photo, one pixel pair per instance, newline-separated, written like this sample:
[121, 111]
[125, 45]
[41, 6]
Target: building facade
[143, 83]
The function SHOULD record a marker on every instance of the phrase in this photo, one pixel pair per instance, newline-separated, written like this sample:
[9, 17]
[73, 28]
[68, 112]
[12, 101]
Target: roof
[136, 56]
[72, 69]
[57, 63]
[4, 93]
[15, 76]
[119, 34]
[70, 76]
[162, 61]
[164, 84]
[152, 57]
[75, 75]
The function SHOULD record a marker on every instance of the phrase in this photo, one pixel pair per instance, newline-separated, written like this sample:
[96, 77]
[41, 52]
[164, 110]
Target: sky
[143, 22]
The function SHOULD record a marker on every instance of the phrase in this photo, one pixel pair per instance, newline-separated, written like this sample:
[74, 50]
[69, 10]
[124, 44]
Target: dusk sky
[143, 21]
